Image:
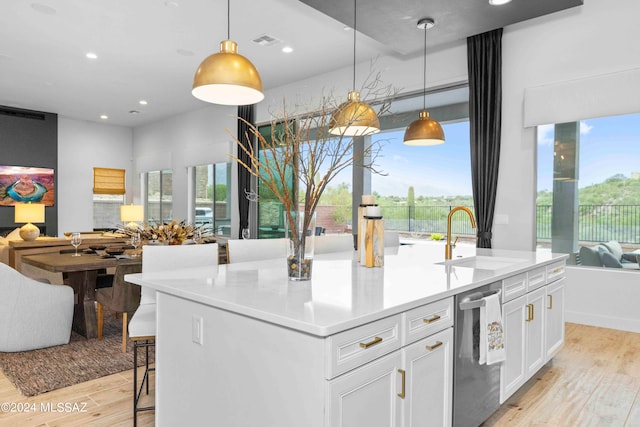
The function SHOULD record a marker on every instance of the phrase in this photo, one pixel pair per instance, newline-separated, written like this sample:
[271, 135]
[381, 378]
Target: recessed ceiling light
[104, 117]
[498, 2]
[142, 102]
[91, 55]
[287, 49]
[134, 112]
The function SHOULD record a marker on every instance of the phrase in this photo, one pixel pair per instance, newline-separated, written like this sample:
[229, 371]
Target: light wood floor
[106, 401]
[593, 381]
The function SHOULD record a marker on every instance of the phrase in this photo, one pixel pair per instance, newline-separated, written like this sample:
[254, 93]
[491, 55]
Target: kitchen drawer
[555, 271]
[536, 278]
[349, 349]
[427, 320]
[514, 286]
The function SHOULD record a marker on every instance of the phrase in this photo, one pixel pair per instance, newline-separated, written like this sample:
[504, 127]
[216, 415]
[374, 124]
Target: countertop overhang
[342, 294]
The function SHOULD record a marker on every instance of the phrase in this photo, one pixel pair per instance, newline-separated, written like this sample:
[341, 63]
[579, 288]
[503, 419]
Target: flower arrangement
[174, 232]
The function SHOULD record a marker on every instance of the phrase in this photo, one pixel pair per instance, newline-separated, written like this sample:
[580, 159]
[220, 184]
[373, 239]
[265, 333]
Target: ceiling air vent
[266, 40]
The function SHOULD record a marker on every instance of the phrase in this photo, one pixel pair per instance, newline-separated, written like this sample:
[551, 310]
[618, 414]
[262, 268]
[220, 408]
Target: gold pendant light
[425, 130]
[354, 117]
[227, 77]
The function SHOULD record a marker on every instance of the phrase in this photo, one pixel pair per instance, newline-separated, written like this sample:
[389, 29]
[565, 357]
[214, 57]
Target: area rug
[38, 371]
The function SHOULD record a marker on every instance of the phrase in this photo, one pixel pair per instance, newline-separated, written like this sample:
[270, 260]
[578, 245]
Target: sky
[608, 146]
[441, 170]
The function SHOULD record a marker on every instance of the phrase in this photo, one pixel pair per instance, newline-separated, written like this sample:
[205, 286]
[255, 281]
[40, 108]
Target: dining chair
[333, 243]
[121, 297]
[242, 250]
[142, 327]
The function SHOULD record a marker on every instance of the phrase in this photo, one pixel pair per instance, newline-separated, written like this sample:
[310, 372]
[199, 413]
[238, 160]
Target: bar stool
[142, 327]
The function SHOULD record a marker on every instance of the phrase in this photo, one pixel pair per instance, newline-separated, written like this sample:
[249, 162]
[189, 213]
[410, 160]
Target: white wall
[605, 297]
[191, 139]
[82, 146]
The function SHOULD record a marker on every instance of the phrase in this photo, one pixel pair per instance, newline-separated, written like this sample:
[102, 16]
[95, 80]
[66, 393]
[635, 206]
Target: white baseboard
[623, 324]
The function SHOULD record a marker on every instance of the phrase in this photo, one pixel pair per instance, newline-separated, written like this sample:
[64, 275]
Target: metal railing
[596, 223]
[426, 219]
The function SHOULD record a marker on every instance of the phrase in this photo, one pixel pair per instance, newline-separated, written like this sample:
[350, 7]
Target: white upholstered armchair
[33, 314]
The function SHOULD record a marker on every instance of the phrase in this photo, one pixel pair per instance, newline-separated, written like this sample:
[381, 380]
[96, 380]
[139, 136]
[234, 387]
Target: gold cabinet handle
[550, 307]
[533, 311]
[529, 315]
[374, 341]
[433, 319]
[402, 372]
[433, 347]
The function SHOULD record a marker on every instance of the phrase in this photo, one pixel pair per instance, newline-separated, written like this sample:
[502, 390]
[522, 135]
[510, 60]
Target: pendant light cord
[355, 11]
[424, 77]
[228, 19]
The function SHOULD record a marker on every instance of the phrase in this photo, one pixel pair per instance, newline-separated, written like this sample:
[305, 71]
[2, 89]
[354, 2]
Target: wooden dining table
[80, 272]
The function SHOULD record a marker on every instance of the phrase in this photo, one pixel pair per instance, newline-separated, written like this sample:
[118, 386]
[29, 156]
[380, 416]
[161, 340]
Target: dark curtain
[248, 113]
[484, 61]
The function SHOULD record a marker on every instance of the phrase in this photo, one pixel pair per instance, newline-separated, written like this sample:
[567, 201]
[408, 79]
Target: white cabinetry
[533, 324]
[428, 385]
[367, 396]
[554, 318]
[411, 386]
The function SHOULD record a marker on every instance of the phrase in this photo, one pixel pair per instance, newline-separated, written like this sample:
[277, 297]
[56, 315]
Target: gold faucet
[448, 248]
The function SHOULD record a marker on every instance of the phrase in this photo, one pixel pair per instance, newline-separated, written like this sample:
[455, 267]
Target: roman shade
[108, 181]
[585, 98]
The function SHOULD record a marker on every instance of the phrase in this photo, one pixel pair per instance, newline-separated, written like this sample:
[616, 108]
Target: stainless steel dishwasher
[476, 388]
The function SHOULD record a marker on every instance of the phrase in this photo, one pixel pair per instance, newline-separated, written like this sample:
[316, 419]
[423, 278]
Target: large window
[159, 199]
[418, 185]
[589, 183]
[213, 197]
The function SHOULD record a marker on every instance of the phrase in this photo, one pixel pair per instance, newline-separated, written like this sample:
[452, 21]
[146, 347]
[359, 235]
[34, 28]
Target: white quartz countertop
[342, 294]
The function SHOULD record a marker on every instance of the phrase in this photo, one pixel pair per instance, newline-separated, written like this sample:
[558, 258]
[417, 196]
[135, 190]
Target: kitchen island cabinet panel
[242, 363]
[367, 396]
[429, 380]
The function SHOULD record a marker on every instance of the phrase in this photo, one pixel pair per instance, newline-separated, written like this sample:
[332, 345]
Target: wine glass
[245, 233]
[75, 242]
[135, 242]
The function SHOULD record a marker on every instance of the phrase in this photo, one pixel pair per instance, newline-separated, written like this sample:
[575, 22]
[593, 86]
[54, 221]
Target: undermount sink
[483, 262]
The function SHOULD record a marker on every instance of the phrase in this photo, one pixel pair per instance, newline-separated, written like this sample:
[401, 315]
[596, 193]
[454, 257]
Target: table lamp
[131, 214]
[29, 212]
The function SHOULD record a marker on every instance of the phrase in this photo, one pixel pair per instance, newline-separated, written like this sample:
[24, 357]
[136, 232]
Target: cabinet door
[554, 318]
[428, 381]
[512, 371]
[367, 396]
[535, 346]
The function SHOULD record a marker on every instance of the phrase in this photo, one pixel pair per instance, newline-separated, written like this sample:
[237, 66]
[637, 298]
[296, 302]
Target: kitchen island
[240, 345]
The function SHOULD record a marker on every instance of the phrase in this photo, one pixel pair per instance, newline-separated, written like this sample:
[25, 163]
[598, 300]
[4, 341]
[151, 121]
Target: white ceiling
[150, 49]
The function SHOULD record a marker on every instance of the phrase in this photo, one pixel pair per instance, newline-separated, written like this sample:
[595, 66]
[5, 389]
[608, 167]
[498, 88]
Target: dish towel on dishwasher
[491, 332]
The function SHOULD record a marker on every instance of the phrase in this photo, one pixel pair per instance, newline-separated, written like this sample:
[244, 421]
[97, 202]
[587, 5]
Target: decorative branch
[300, 149]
